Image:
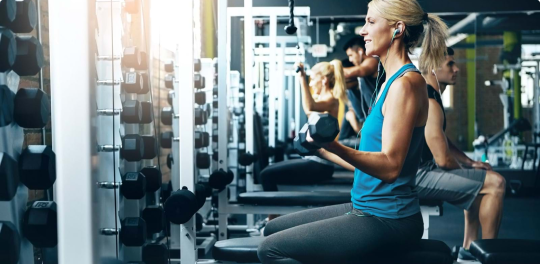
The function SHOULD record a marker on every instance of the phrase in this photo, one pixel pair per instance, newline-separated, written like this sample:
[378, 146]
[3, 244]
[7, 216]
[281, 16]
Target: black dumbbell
[154, 217]
[166, 139]
[131, 57]
[200, 98]
[131, 112]
[153, 177]
[132, 148]
[144, 62]
[197, 65]
[132, 231]
[180, 206]
[169, 80]
[8, 12]
[215, 102]
[32, 108]
[202, 191]
[9, 177]
[145, 83]
[29, 58]
[166, 190]
[169, 66]
[300, 141]
[322, 128]
[201, 116]
[37, 167]
[246, 159]
[219, 179]
[10, 241]
[133, 185]
[202, 139]
[202, 160]
[199, 82]
[170, 160]
[133, 83]
[40, 224]
[208, 109]
[155, 253]
[167, 115]
[8, 47]
[147, 112]
[170, 97]
[199, 221]
[150, 145]
[132, 6]
[26, 18]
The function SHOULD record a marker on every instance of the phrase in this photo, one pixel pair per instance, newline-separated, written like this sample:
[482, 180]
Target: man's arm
[367, 68]
[353, 121]
[436, 139]
[464, 159]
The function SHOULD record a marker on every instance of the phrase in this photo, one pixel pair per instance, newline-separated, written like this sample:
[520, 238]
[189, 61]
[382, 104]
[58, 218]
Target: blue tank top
[374, 196]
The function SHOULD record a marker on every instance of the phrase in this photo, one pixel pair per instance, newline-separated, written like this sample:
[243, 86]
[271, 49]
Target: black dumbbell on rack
[40, 224]
[10, 241]
[135, 185]
[29, 108]
[132, 231]
[322, 128]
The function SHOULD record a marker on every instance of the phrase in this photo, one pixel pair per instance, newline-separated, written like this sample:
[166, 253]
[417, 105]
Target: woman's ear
[401, 26]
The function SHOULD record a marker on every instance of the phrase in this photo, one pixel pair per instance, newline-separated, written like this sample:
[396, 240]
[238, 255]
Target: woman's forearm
[327, 155]
[376, 164]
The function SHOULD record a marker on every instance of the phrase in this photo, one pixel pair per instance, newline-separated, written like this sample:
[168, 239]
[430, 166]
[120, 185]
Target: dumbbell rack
[113, 34]
[12, 135]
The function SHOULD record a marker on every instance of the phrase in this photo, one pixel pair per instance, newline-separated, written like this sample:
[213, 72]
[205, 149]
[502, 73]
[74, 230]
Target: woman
[384, 216]
[328, 88]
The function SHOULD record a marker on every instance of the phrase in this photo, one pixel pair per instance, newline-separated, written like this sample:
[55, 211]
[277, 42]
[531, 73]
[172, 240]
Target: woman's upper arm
[324, 105]
[400, 116]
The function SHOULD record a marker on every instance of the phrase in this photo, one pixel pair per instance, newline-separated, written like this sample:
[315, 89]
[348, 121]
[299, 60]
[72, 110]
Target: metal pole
[223, 137]
[73, 141]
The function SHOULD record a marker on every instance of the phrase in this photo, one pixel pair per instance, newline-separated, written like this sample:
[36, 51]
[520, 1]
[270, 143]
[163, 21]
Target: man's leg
[491, 204]
[486, 211]
[472, 223]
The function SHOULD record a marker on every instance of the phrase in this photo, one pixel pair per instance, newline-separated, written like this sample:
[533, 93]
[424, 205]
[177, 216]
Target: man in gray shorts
[447, 174]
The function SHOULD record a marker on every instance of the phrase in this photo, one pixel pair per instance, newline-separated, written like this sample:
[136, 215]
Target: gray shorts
[458, 187]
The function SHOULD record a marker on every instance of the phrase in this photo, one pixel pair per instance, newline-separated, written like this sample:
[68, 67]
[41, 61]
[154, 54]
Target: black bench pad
[294, 198]
[305, 198]
[244, 250]
[506, 251]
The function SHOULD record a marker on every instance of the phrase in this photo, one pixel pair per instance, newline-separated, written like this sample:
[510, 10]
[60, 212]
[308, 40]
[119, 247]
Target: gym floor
[521, 218]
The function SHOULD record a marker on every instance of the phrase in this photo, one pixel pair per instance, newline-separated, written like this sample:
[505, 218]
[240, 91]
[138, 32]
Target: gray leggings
[336, 234]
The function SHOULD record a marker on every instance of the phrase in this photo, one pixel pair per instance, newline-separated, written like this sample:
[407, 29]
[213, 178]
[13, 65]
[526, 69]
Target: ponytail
[416, 21]
[339, 89]
[434, 45]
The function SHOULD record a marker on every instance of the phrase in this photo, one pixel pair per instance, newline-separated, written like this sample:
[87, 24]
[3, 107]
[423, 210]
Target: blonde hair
[411, 13]
[333, 71]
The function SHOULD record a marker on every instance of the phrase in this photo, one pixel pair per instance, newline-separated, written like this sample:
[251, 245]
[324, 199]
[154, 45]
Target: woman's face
[316, 82]
[377, 34]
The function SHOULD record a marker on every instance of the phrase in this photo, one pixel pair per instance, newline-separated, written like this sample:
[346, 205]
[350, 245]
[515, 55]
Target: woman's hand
[299, 67]
[313, 142]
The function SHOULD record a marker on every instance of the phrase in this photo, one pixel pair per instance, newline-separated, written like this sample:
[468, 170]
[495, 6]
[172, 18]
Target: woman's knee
[267, 250]
[495, 182]
[271, 227]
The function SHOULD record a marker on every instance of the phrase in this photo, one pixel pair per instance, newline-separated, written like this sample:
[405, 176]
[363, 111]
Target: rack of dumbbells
[24, 111]
[128, 181]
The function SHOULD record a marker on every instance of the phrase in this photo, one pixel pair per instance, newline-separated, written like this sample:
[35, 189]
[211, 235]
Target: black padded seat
[244, 250]
[506, 251]
[294, 198]
[431, 202]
